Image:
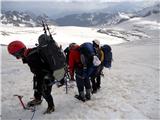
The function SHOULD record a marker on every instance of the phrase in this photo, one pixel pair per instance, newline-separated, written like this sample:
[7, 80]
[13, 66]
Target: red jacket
[74, 60]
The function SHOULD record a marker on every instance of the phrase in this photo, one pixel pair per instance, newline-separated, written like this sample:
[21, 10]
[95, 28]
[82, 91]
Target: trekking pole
[67, 77]
[66, 87]
[33, 112]
[66, 70]
[20, 99]
[44, 28]
[66, 81]
[49, 31]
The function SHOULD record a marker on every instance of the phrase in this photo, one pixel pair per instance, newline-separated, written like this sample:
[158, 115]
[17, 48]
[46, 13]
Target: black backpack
[50, 52]
[107, 56]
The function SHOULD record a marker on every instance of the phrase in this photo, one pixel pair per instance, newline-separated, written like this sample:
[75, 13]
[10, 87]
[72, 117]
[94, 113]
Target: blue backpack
[107, 56]
[88, 51]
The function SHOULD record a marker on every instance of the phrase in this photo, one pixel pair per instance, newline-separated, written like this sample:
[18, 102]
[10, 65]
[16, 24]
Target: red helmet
[15, 46]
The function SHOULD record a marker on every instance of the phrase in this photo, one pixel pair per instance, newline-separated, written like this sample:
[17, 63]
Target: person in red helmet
[16, 48]
[43, 75]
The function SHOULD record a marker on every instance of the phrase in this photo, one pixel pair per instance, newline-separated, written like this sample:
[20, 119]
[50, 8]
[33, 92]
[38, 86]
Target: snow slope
[130, 90]
[61, 34]
[134, 29]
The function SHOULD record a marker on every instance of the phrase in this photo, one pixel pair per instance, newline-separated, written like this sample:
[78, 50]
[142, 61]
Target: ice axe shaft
[20, 99]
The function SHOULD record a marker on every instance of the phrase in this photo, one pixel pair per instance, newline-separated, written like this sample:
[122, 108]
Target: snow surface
[130, 90]
[124, 16]
[61, 34]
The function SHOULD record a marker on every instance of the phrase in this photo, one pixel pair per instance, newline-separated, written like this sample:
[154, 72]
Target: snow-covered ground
[130, 90]
[63, 35]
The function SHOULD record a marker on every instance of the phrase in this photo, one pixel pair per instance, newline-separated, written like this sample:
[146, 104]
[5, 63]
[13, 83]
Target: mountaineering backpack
[50, 52]
[88, 51]
[107, 56]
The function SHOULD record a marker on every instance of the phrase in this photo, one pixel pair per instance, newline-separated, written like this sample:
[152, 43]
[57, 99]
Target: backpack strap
[101, 55]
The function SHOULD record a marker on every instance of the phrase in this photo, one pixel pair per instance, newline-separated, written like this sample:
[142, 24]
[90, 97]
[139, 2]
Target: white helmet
[96, 42]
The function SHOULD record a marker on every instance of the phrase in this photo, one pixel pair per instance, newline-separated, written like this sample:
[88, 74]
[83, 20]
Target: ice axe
[20, 99]
[22, 103]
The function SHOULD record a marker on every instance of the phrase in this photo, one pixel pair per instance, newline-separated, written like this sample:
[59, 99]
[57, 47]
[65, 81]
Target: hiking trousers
[41, 89]
[82, 83]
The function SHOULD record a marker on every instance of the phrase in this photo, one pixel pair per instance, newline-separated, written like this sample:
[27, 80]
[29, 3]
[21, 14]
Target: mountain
[92, 19]
[101, 18]
[135, 28]
[16, 18]
[98, 18]
[149, 10]
[85, 19]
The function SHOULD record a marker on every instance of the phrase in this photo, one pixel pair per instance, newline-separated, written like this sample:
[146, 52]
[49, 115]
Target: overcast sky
[63, 7]
[83, 0]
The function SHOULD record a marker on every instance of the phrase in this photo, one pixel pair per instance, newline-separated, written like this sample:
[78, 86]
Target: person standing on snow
[96, 76]
[77, 64]
[67, 52]
[42, 74]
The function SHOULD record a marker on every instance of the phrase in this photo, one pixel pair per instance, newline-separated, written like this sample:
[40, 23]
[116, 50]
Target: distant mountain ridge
[149, 10]
[16, 18]
[92, 19]
[25, 19]
[96, 19]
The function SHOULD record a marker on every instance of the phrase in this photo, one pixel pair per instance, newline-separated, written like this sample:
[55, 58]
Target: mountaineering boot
[98, 87]
[94, 91]
[88, 94]
[80, 96]
[49, 110]
[34, 102]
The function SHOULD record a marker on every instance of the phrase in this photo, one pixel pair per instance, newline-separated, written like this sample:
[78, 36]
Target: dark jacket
[34, 61]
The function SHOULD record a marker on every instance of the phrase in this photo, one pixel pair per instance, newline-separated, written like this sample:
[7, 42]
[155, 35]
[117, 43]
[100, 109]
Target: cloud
[78, 0]
[57, 8]
[91, 1]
